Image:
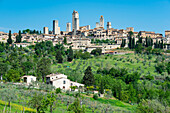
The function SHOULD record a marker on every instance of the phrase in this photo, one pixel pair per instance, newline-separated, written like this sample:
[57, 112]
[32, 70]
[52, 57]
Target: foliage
[18, 37]
[76, 107]
[88, 78]
[13, 75]
[36, 101]
[95, 96]
[58, 90]
[43, 67]
[9, 40]
[70, 54]
[152, 106]
[97, 52]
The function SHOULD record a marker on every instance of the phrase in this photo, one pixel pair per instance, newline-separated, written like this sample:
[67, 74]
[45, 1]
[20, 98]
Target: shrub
[58, 90]
[95, 96]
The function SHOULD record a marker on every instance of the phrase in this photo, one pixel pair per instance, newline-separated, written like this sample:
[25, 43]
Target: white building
[28, 79]
[97, 24]
[68, 27]
[46, 30]
[56, 29]
[22, 44]
[61, 81]
[91, 48]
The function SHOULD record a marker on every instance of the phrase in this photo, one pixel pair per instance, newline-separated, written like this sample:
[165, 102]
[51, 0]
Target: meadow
[141, 63]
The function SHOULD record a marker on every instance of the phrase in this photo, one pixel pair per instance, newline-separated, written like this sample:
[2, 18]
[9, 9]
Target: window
[71, 84]
[63, 87]
[64, 82]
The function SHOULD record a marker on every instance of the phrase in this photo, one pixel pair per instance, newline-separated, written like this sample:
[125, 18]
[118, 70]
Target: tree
[75, 107]
[151, 106]
[133, 43]
[70, 54]
[118, 88]
[3, 69]
[88, 78]
[160, 67]
[85, 55]
[36, 101]
[9, 94]
[65, 40]
[132, 93]
[130, 39]
[18, 37]
[96, 52]
[139, 48]
[59, 57]
[43, 67]
[51, 97]
[27, 66]
[123, 43]
[101, 87]
[9, 39]
[13, 75]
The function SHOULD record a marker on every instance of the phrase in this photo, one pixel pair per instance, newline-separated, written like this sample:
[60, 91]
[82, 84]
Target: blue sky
[150, 15]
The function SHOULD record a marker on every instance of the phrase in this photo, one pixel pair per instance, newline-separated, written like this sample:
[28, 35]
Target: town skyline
[119, 17]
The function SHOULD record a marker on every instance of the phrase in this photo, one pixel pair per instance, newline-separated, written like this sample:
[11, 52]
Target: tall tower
[56, 29]
[109, 25]
[68, 27]
[102, 21]
[75, 20]
[88, 27]
[97, 24]
[46, 30]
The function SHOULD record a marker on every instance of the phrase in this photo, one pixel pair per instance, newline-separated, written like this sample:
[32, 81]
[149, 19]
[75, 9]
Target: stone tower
[75, 21]
[68, 27]
[102, 21]
[56, 29]
[109, 25]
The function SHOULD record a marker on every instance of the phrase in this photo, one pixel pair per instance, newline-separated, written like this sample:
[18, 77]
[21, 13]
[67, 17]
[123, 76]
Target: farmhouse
[28, 79]
[61, 81]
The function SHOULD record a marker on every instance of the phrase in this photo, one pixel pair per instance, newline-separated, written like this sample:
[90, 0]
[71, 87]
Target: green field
[143, 64]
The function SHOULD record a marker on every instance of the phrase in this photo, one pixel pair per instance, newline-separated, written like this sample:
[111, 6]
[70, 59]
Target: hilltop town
[85, 38]
[84, 70]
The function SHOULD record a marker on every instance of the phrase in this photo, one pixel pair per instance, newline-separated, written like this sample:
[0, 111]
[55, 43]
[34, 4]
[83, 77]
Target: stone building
[56, 28]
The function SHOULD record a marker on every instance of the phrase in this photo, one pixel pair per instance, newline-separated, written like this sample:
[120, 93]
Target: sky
[148, 15]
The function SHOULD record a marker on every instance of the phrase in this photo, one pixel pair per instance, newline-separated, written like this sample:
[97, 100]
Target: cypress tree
[130, 39]
[122, 45]
[146, 40]
[101, 87]
[133, 43]
[65, 40]
[59, 57]
[70, 54]
[18, 37]
[156, 44]
[162, 45]
[88, 78]
[9, 39]
[151, 42]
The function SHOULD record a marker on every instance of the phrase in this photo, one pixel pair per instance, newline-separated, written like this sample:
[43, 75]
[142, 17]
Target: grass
[117, 103]
[15, 107]
[131, 62]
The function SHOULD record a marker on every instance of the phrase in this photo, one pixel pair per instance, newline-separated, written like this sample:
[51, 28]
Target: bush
[95, 96]
[58, 90]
